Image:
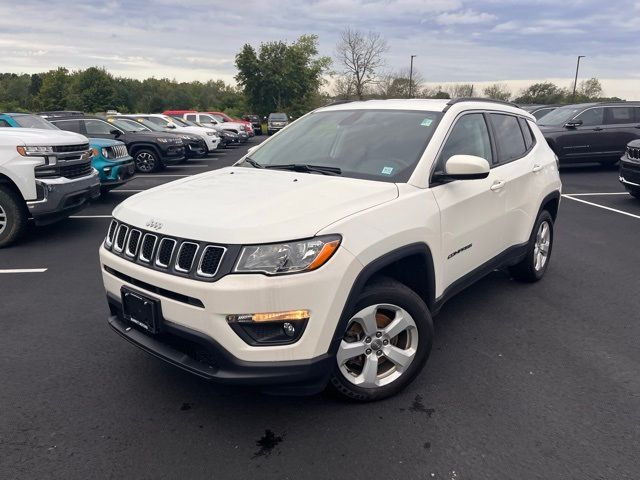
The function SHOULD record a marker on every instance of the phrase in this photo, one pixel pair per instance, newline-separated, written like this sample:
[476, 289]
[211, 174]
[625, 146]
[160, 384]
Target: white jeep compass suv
[320, 258]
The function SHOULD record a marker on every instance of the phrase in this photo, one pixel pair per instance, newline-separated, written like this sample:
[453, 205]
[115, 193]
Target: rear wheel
[386, 344]
[146, 161]
[633, 191]
[534, 265]
[13, 216]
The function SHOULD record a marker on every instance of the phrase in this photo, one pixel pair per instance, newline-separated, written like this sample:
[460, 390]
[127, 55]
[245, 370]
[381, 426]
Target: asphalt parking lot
[525, 381]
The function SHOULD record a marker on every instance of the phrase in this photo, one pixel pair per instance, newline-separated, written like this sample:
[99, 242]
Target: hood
[38, 137]
[147, 134]
[634, 144]
[103, 142]
[239, 205]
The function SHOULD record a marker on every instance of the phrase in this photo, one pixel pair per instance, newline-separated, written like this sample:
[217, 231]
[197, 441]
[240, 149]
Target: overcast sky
[454, 40]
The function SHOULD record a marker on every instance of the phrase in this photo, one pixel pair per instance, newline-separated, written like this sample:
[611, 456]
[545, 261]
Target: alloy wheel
[542, 246]
[380, 343]
[145, 162]
[3, 219]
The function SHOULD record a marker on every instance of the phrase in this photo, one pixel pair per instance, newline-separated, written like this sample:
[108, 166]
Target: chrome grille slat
[186, 256]
[111, 233]
[148, 247]
[210, 261]
[121, 238]
[163, 257]
[134, 241]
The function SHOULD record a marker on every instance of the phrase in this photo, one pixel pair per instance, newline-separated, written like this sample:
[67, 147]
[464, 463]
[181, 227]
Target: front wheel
[146, 161]
[13, 217]
[534, 265]
[386, 344]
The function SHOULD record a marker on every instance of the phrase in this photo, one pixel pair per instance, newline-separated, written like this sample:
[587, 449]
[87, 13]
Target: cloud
[464, 17]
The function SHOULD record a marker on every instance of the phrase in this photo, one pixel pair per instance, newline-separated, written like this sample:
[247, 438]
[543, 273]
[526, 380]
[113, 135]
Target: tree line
[272, 77]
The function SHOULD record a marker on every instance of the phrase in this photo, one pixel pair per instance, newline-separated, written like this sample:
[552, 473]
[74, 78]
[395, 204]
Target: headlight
[34, 151]
[211, 134]
[290, 257]
[105, 153]
[241, 128]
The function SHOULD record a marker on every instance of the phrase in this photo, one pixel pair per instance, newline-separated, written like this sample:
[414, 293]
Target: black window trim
[526, 152]
[494, 153]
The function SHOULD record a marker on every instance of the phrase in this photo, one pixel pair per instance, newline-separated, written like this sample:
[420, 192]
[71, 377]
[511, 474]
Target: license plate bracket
[141, 310]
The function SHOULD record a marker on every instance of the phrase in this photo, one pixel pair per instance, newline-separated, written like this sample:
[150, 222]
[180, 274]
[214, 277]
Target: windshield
[560, 116]
[128, 125]
[383, 145]
[180, 122]
[278, 117]
[151, 124]
[34, 121]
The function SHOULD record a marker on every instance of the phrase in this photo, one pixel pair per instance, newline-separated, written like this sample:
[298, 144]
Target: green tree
[497, 91]
[92, 90]
[280, 76]
[53, 92]
[543, 93]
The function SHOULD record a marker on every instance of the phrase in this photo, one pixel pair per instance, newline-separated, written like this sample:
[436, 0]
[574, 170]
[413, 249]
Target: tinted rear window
[526, 131]
[508, 136]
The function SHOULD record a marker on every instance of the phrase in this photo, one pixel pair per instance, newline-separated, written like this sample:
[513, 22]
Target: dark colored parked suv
[630, 169]
[539, 111]
[256, 123]
[591, 132]
[151, 151]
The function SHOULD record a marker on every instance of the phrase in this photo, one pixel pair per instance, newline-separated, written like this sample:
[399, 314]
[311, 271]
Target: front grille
[210, 261]
[117, 152]
[633, 152]
[197, 260]
[165, 250]
[76, 171]
[71, 148]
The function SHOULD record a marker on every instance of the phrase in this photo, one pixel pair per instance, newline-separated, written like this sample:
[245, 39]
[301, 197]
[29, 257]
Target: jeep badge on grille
[154, 224]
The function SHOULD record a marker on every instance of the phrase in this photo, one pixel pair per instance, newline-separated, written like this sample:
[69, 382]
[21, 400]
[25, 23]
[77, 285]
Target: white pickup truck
[45, 175]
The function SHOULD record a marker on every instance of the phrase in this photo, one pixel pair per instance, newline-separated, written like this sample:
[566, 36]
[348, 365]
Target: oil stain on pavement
[267, 443]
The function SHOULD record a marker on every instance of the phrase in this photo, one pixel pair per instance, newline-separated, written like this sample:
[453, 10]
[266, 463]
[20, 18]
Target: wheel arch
[5, 180]
[411, 265]
[145, 146]
[551, 203]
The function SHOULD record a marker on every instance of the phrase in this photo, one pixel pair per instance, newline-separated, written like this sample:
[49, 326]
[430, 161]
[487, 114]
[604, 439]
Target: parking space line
[24, 270]
[160, 176]
[596, 194]
[601, 206]
[187, 166]
[126, 191]
[90, 216]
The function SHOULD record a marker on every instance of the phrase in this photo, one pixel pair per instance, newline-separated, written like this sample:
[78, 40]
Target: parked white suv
[210, 119]
[45, 175]
[322, 256]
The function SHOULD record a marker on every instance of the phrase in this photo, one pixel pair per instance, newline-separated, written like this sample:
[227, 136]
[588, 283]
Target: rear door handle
[497, 185]
[536, 168]
[597, 129]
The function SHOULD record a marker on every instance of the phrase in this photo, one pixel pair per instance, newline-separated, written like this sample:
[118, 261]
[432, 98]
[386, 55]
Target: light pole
[411, 76]
[575, 82]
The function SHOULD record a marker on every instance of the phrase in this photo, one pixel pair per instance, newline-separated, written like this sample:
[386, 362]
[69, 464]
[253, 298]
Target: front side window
[192, 117]
[383, 145]
[469, 136]
[4, 123]
[69, 125]
[97, 127]
[619, 115]
[591, 117]
[508, 135]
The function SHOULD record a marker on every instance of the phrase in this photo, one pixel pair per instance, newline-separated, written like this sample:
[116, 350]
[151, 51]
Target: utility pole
[575, 82]
[411, 77]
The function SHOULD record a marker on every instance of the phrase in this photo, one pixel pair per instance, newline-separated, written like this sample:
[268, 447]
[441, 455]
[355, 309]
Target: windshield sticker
[426, 122]
[387, 170]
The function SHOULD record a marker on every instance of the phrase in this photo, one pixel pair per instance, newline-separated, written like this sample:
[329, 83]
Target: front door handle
[597, 129]
[497, 185]
[536, 168]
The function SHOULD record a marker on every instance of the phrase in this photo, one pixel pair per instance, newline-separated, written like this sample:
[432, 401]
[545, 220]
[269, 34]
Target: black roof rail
[453, 101]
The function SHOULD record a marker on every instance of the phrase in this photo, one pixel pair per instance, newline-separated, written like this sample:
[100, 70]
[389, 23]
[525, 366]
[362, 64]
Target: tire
[13, 216]
[633, 191]
[146, 161]
[534, 265]
[380, 305]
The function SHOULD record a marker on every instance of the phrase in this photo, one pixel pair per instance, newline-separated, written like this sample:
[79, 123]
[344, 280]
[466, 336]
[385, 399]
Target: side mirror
[115, 132]
[573, 123]
[170, 125]
[465, 167]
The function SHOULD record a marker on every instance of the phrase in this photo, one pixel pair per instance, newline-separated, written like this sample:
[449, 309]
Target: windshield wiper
[306, 168]
[252, 162]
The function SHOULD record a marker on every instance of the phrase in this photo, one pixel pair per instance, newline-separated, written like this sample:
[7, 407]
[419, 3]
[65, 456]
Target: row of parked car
[53, 163]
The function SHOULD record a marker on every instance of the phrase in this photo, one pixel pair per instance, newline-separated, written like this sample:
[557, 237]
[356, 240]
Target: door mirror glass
[115, 132]
[466, 167]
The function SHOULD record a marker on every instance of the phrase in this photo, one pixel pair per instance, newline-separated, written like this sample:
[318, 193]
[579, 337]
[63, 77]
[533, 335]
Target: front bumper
[195, 149]
[173, 154]
[630, 171]
[62, 197]
[119, 172]
[198, 354]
